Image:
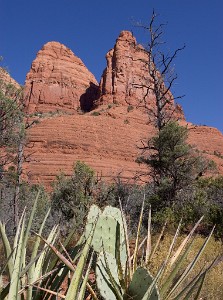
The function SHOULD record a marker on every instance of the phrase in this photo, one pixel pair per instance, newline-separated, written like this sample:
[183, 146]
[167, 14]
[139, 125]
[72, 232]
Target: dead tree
[161, 75]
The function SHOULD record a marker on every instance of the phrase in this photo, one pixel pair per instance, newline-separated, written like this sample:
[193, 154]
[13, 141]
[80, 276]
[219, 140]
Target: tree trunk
[18, 184]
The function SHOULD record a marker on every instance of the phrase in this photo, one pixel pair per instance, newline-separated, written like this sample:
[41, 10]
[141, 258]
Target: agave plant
[42, 277]
[120, 275]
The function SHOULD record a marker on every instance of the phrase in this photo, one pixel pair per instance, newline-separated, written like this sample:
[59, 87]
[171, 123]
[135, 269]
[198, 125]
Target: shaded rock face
[58, 80]
[126, 79]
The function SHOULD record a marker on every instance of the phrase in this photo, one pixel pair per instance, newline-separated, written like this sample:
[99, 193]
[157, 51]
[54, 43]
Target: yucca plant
[122, 275]
[42, 277]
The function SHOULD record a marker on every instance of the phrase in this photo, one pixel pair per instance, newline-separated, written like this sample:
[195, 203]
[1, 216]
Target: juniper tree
[173, 163]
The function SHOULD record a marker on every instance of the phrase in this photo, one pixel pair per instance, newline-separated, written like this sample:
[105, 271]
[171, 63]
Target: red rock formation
[107, 138]
[126, 79]
[209, 141]
[125, 69]
[6, 79]
[58, 80]
[107, 142]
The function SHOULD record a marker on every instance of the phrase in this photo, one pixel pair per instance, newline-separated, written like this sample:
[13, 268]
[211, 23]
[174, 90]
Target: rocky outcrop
[6, 79]
[109, 141]
[209, 141]
[106, 141]
[126, 79]
[58, 80]
[126, 70]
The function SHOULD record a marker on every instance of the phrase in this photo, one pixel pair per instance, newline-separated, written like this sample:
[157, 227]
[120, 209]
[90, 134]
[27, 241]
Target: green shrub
[95, 113]
[72, 196]
[130, 108]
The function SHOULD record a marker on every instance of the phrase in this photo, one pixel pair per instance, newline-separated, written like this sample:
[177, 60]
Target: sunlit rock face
[58, 80]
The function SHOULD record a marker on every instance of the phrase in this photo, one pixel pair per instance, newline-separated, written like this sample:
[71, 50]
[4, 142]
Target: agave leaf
[72, 292]
[199, 282]
[33, 268]
[189, 286]
[4, 292]
[54, 261]
[83, 286]
[149, 244]
[170, 250]
[8, 250]
[28, 228]
[157, 243]
[166, 285]
[1, 283]
[49, 254]
[38, 270]
[200, 286]
[55, 281]
[15, 280]
[185, 241]
[58, 254]
[128, 269]
[191, 265]
[16, 239]
[140, 245]
[135, 255]
[196, 280]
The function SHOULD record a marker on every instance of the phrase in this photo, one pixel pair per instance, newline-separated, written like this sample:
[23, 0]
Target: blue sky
[90, 29]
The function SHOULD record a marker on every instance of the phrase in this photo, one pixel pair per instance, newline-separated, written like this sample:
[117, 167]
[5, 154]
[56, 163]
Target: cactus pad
[104, 282]
[140, 283]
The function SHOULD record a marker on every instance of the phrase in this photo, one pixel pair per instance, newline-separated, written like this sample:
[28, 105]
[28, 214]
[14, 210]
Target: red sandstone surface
[58, 80]
[107, 137]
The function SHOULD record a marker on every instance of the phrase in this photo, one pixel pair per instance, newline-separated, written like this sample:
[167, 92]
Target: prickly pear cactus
[104, 238]
[140, 283]
[104, 283]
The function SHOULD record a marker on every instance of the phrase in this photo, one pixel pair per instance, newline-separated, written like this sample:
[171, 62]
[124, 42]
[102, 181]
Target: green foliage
[72, 197]
[41, 275]
[218, 154]
[95, 113]
[203, 198]
[130, 108]
[173, 163]
[10, 123]
[27, 196]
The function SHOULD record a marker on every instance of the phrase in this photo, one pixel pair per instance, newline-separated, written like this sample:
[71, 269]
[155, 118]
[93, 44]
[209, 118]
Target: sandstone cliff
[107, 137]
[58, 80]
[126, 79]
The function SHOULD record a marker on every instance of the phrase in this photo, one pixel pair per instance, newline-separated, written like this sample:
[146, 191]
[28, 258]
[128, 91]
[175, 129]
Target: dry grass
[213, 286]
